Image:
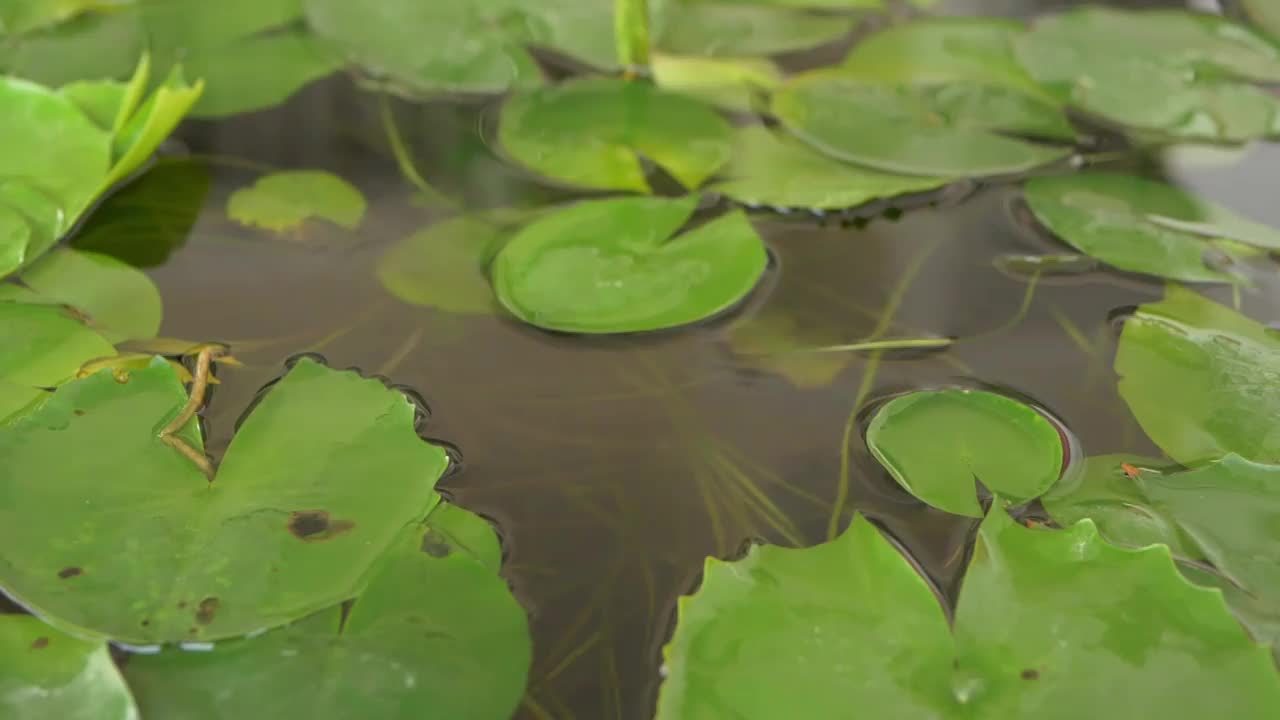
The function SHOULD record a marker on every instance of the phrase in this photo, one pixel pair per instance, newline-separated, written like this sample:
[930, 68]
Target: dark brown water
[614, 466]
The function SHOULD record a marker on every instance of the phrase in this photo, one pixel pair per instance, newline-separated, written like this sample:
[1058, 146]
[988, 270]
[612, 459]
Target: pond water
[613, 466]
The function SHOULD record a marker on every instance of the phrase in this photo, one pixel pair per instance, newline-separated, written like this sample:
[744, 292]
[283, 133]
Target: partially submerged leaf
[284, 200]
[1049, 624]
[445, 266]
[1145, 226]
[616, 266]
[950, 129]
[938, 443]
[22, 16]
[319, 481]
[1200, 379]
[435, 634]
[589, 132]
[770, 168]
[119, 301]
[1181, 74]
[46, 675]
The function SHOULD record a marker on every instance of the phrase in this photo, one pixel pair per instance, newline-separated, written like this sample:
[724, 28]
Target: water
[614, 466]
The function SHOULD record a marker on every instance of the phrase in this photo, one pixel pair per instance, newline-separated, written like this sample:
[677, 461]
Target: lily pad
[90, 46]
[771, 168]
[445, 266]
[1226, 513]
[22, 16]
[717, 29]
[1049, 624]
[288, 526]
[1145, 226]
[46, 674]
[1181, 74]
[1201, 379]
[617, 266]
[436, 634]
[729, 83]
[43, 345]
[938, 443]
[944, 128]
[118, 301]
[283, 200]
[589, 133]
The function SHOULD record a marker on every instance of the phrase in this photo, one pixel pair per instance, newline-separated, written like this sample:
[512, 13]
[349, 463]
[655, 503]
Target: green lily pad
[288, 526]
[945, 128]
[22, 16]
[284, 200]
[119, 301]
[46, 674]
[1185, 75]
[729, 83]
[588, 133]
[1200, 379]
[90, 46]
[445, 266]
[951, 50]
[613, 266]
[724, 30]
[769, 168]
[938, 443]
[1145, 226]
[1226, 513]
[436, 634]
[17, 400]
[43, 345]
[1049, 624]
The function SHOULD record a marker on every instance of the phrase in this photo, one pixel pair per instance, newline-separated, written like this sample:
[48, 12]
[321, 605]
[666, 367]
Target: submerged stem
[869, 345]
[405, 162]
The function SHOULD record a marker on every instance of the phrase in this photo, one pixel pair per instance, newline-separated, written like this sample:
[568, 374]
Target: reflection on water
[614, 466]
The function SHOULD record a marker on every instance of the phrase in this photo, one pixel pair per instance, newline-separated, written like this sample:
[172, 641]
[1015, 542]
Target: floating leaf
[91, 46]
[937, 443]
[283, 200]
[42, 345]
[1226, 513]
[445, 266]
[613, 266]
[1145, 226]
[22, 16]
[589, 133]
[436, 634]
[46, 674]
[119, 301]
[16, 400]
[724, 30]
[921, 129]
[318, 482]
[1049, 624]
[729, 83]
[1182, 74]
[769, 168]
[1201, 379]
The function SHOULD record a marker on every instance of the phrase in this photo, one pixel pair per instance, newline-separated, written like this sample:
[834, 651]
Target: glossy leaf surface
[617, 266]
[317, 483]
[937, 443]
[589, 133]
[117, 300]
[46, 675]
[284, 200]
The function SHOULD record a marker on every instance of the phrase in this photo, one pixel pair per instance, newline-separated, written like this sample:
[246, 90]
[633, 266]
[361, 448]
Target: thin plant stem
[405, 162]
[869, 345]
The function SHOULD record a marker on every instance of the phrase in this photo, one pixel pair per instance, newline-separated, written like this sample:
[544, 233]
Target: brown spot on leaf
[435, 544]
[182, 604]
[316, 525]
[146, 622]
[70, 571]
[1030, 674]
[207, 609]
[78, 412]
[40, 643]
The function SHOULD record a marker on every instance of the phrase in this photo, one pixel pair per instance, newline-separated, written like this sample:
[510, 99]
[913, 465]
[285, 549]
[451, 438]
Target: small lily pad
[284, 200]
[46, 674]
[1201, 379]
[435, 634]
[287, 527]
[1049, 624]
[770, 168]
[588, 133]
[948, 129]
[1180, 74]
[1145, 226]
[617, 266]
[118, 301]
[938, 443]
[445, 266]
